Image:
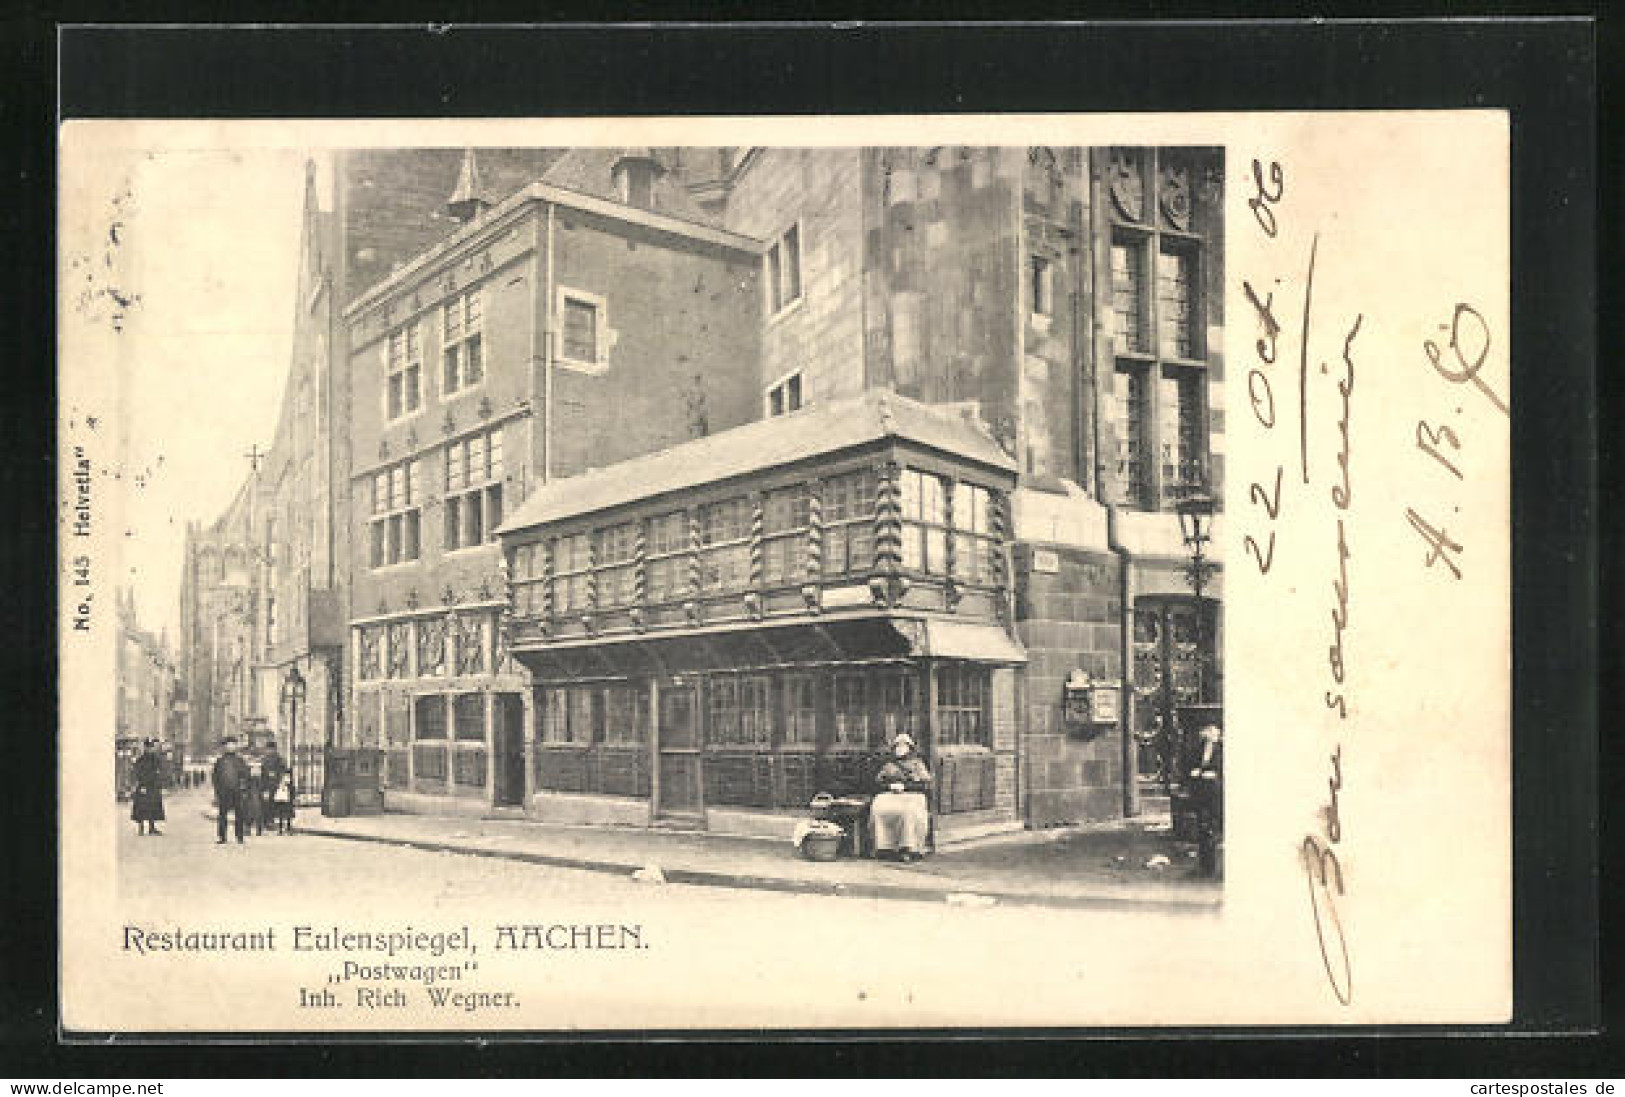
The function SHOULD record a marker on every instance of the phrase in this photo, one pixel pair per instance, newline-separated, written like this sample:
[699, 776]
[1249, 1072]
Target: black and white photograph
[562, 584]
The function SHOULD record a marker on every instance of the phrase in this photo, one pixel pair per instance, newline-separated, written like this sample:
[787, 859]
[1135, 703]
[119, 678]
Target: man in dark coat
[231, 785]
[1207, 789]
[147, 801]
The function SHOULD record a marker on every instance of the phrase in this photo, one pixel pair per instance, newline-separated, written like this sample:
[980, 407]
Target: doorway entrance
[508, 733]
[1174, 669]
[677, 746]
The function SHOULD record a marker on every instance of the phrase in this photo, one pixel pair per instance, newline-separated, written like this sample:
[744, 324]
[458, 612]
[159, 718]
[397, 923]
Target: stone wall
[1069, 618]
[685, 338]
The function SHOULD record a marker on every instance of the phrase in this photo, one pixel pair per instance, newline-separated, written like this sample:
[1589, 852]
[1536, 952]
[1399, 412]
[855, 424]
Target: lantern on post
[293, 699]
[1196, 527]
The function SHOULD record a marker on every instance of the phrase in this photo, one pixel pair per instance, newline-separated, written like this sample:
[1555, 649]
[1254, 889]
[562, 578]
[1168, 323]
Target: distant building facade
[220, 635]
[145, 682]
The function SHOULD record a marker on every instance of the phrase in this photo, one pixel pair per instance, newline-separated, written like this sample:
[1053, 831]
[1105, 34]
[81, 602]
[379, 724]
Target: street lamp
[1196, 527]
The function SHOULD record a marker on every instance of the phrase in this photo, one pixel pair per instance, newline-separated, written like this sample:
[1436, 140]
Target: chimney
[634, 173]
[469, 200]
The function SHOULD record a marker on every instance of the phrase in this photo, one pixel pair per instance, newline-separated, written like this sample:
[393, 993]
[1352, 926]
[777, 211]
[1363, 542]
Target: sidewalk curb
[710, 878]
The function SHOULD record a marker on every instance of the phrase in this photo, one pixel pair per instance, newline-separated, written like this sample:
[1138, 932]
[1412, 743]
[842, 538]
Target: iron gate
[307, 774]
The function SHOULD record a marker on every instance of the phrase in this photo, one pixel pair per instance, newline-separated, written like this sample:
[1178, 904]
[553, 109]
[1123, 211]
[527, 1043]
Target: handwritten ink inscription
[1324, 870]
[1460, 362]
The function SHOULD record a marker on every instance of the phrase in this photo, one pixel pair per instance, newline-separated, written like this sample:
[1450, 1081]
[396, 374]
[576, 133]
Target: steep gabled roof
[591, 172]
[771, 443]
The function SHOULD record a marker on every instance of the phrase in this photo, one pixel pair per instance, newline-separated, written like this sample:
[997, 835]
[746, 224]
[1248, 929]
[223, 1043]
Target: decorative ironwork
[468, 643]
[400, 638]
[432, 646]
[369, 652]
[502, 644]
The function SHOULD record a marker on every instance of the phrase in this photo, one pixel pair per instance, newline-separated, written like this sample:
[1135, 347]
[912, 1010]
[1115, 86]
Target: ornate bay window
[572, 564]
[617, 547]
[725, 537]
[667, 545]
[848, 512]
[1156, 311]
[784, 535]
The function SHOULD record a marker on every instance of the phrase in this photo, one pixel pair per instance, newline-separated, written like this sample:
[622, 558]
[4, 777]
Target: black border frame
[1544, 72]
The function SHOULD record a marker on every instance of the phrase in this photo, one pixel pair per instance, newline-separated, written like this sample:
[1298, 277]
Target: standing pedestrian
[1207, 790]
[230, 783]
[147, 801]
[277, 779]
[253, 800]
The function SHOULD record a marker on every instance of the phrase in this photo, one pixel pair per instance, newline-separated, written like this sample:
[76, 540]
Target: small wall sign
[1047, 561]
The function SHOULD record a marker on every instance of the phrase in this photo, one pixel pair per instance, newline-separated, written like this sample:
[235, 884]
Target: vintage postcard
[631, 574]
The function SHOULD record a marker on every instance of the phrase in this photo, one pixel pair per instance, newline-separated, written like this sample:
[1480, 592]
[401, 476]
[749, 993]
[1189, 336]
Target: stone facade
[670, 352]
[1070, 618]
[621, 314]
[818, 193]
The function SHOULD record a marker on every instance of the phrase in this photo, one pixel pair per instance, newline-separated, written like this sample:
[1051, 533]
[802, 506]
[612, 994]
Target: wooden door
[677, 739]
[509, 733]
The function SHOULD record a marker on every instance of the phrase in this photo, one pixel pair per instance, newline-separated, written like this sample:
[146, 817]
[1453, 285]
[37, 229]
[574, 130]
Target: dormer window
[634, 178]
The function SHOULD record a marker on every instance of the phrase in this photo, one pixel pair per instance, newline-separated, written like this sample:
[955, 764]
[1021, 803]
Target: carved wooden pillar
[999, 524]
[885, 586]
[592, 581]
[758, 554]
[640, 575]
[811, 591]
[544, 568]
[691, 608]
[950, 557]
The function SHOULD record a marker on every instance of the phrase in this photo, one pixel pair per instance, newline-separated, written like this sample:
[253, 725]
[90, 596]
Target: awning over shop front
[982, 643]
[759, 645]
